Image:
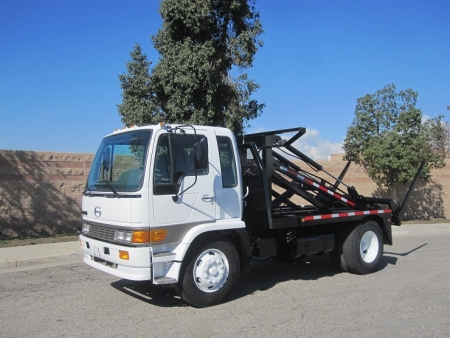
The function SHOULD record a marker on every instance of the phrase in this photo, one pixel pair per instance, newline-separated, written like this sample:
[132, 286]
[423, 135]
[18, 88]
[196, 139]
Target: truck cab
[151, 192]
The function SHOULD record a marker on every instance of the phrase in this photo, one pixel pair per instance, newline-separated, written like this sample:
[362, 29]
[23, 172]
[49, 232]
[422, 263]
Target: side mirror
[201, 154]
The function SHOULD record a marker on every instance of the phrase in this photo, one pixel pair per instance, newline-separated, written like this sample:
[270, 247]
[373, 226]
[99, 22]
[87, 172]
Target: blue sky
[59, 61]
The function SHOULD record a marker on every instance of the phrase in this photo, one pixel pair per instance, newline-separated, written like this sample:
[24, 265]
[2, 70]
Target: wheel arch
[200, 231]
[238, 237]
[385, 224]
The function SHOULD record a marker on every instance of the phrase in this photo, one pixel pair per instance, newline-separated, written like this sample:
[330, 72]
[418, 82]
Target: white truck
[190, 206]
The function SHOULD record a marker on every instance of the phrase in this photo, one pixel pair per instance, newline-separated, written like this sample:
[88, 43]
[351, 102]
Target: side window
[227, 162]
[175, 160]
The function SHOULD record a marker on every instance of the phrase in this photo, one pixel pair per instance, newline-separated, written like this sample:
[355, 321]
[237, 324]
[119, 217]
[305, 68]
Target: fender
[192, 234]
[228, 224]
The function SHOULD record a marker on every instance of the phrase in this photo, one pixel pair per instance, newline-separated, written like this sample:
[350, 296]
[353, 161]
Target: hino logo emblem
[97, 212]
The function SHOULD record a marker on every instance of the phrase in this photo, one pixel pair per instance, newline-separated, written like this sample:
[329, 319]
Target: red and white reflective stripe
[318, 186]
[347, 214]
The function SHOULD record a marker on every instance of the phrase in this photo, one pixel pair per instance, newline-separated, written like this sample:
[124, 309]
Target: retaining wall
[428, 201]
[40, 192]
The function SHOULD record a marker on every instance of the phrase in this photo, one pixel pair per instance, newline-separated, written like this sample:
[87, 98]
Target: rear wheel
[210, 273]
[336, 256]
[362, 249]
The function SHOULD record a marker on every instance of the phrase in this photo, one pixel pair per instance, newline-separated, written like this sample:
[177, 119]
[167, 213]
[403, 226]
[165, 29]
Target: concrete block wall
[428, 201]
[40, 192]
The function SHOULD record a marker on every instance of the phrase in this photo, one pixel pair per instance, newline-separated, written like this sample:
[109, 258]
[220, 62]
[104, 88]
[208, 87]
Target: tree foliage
[439, 136]
[388, 137]
[137, 107]
[201, 44]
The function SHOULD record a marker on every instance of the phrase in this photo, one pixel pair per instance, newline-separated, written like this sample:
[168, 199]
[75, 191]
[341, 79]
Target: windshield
[120, 162]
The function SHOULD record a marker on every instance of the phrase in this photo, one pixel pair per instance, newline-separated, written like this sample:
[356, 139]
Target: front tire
[210, 273]
[362, 250]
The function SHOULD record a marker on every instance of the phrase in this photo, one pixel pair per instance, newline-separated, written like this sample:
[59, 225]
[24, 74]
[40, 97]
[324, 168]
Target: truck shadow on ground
[262, 277]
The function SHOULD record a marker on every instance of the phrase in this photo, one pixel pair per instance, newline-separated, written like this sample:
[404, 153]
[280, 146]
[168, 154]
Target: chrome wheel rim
[211, 270]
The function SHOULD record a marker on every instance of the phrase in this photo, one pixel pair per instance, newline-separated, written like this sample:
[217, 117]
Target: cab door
[182, 189]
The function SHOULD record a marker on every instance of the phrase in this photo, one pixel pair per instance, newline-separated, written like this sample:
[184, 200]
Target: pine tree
[137, 107]
[201, 44]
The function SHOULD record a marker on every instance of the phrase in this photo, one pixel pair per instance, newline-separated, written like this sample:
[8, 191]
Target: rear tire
[210, 273]
[337, 258]
[336, 255]
[362, 249]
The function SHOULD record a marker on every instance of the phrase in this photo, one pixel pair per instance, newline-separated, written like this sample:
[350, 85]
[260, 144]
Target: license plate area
[96, 251]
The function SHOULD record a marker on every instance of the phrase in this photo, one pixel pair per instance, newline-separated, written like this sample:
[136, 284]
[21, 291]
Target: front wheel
[362, 250]
[210, 273]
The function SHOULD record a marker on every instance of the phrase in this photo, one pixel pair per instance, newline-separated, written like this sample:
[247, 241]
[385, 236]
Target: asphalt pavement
[408, 297]
[30, 255]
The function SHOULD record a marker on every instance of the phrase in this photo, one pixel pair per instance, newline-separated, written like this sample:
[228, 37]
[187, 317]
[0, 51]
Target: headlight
[124, 236]
[85, 228]
[140, 236]
[128, 236]
[120, 235]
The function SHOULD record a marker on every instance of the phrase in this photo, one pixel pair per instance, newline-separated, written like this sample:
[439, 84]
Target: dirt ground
[5, 243]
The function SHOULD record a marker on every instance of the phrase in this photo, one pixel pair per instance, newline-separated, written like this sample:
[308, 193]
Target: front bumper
[105, 257]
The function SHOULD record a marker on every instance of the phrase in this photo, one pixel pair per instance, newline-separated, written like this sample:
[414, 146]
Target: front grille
[102, 233]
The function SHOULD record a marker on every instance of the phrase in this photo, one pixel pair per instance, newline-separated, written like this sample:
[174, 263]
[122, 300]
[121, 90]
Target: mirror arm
[176, 196]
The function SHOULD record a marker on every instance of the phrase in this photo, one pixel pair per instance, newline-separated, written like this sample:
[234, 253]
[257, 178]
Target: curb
[15, 257]
[40, 260]
[418, 230]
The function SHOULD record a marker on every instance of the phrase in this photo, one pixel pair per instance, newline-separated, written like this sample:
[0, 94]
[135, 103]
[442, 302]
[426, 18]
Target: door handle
[246, 193]
[208, 198]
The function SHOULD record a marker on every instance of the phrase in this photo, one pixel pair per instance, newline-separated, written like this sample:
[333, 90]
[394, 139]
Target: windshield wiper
[87, 191]
[112, 189]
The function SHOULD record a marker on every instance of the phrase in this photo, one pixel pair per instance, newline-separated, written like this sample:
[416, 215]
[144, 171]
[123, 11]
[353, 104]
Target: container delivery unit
[190, 206]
